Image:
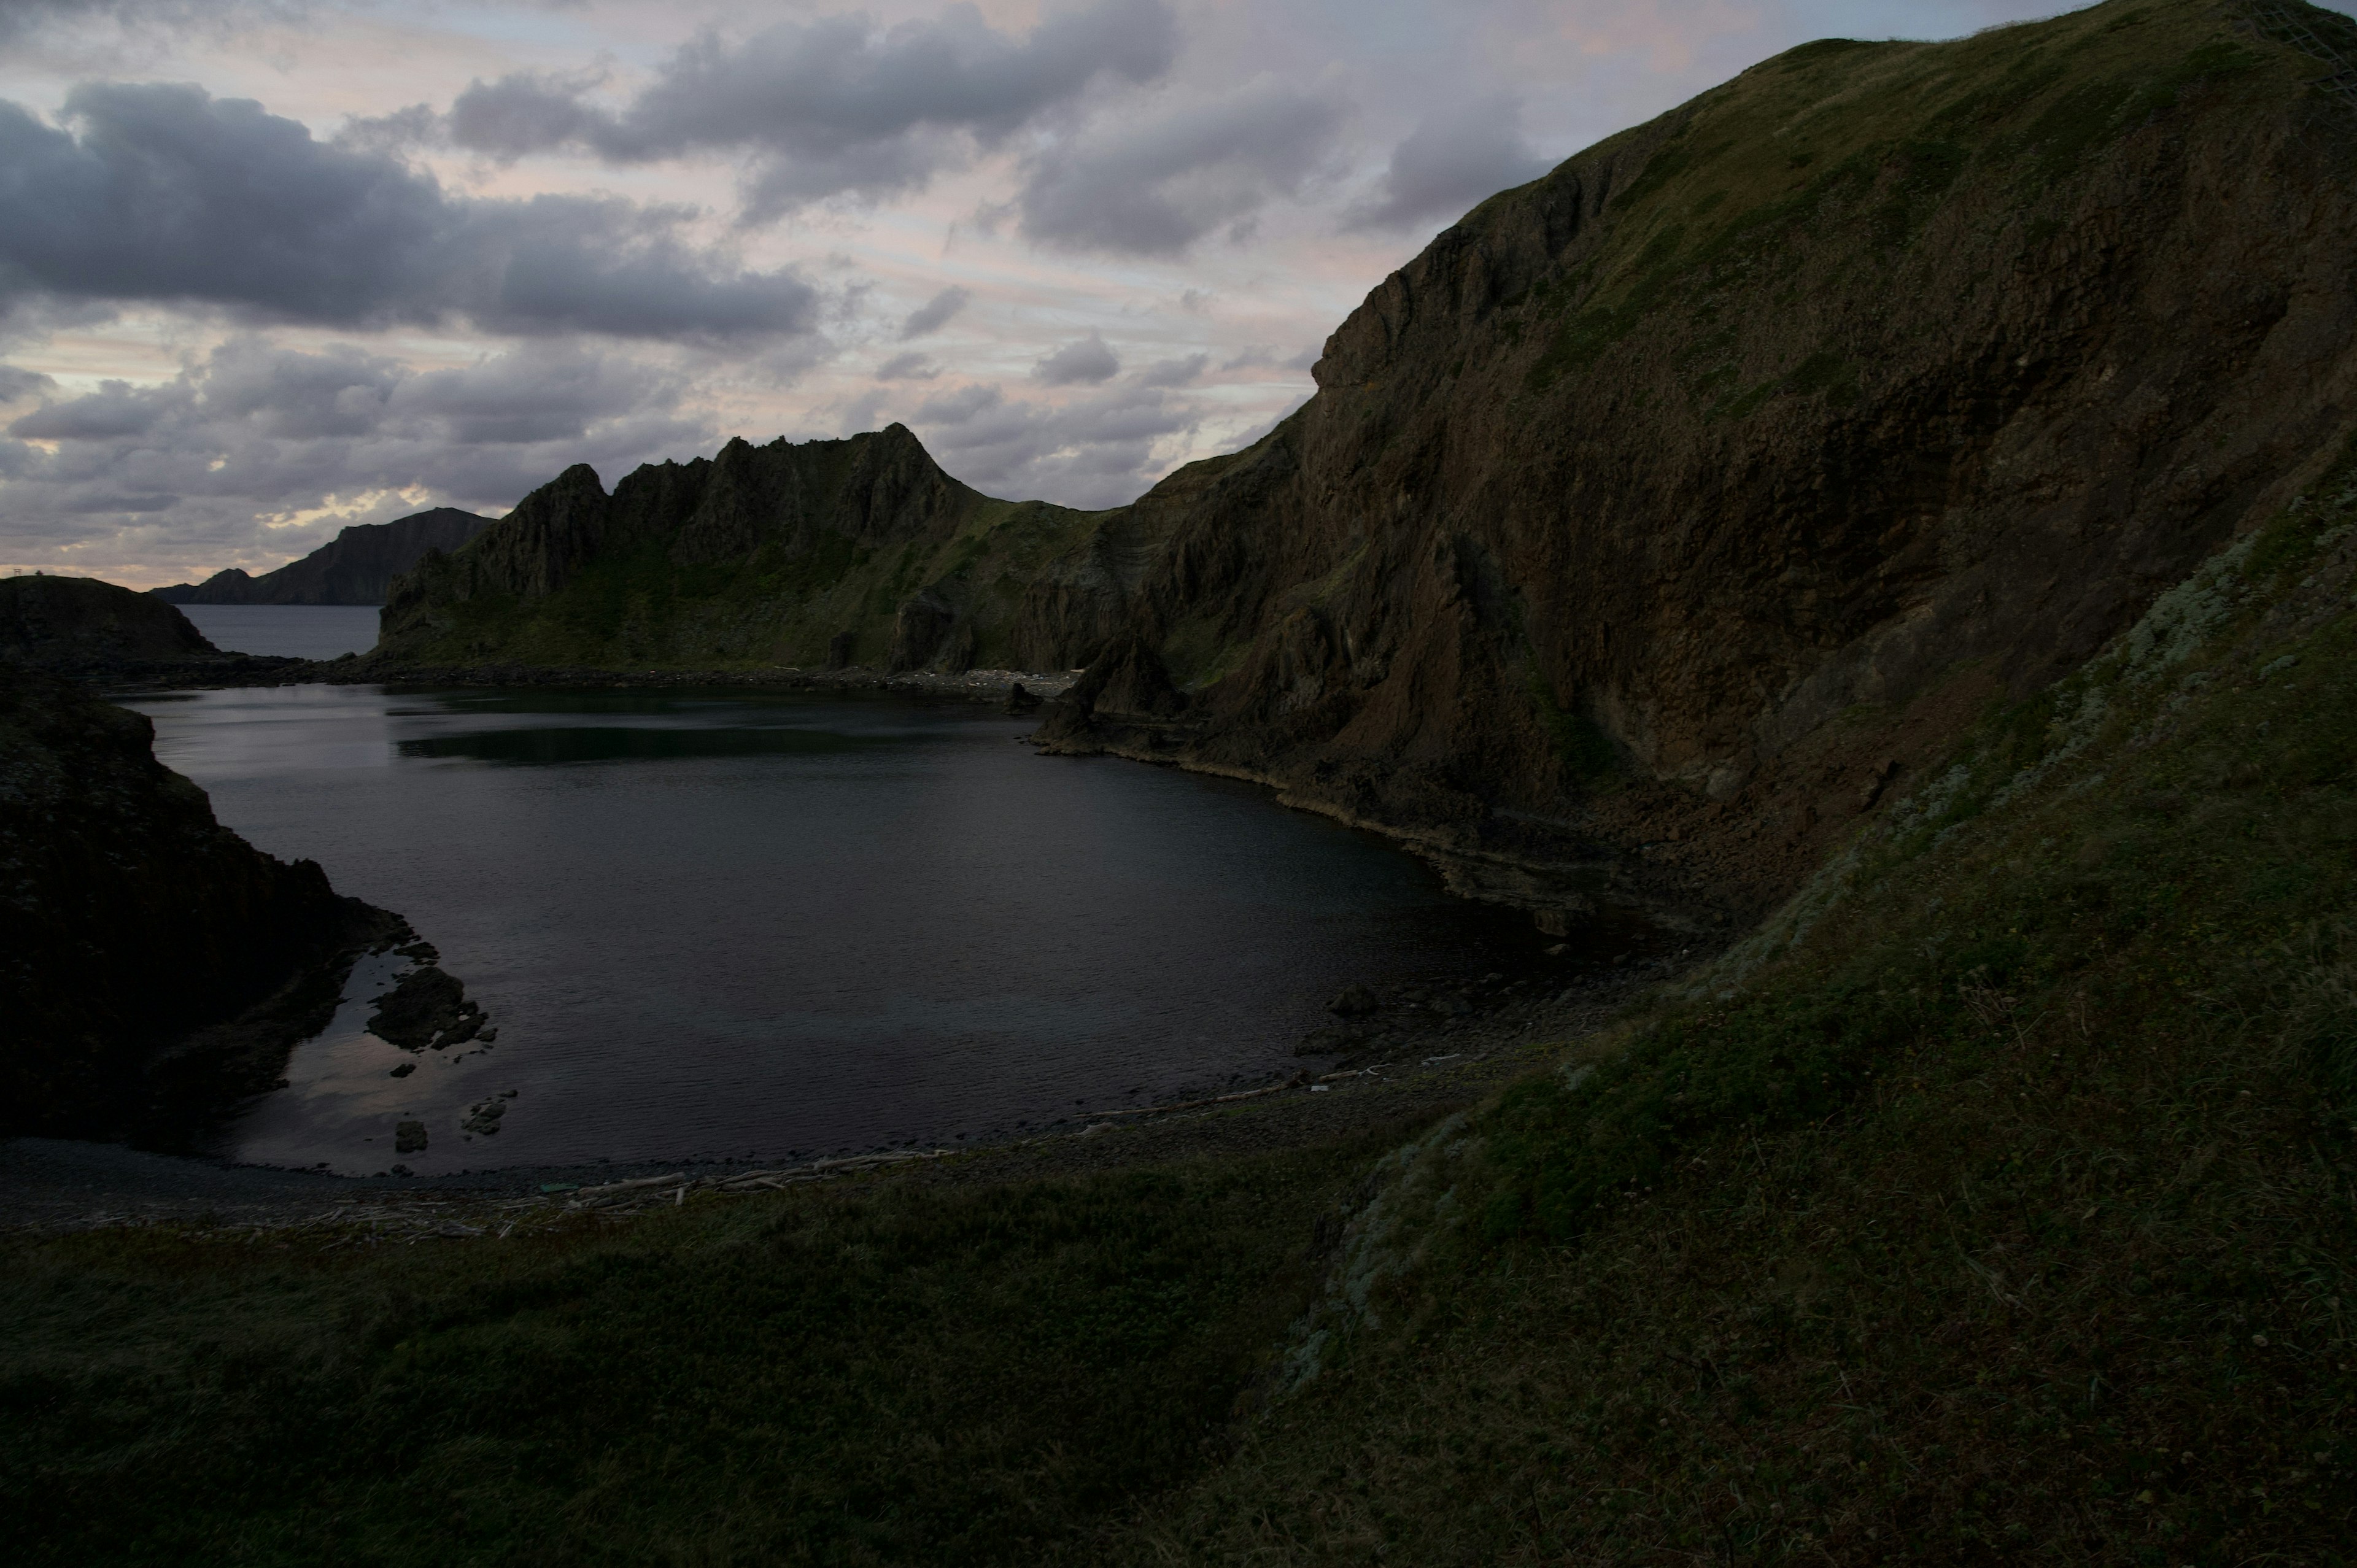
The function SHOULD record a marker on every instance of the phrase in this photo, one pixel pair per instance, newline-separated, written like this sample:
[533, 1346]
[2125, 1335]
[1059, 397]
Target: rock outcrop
[356, 567]
[156, 965]
[1688, 495]
[81, 626]
[826, 553]
[80, 623]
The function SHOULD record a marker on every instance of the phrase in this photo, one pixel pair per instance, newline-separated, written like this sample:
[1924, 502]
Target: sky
[272, 267]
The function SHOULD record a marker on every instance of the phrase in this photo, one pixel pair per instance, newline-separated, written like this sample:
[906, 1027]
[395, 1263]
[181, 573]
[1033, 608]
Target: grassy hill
[1993, 1203]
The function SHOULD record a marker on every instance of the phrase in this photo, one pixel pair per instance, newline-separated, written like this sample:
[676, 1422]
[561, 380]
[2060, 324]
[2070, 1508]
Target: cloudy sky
[270, 267]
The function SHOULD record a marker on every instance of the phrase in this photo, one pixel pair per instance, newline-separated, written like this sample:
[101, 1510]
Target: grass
[2010, 1215]
[903, 1375]
[1839, 158]
[2007, 1213]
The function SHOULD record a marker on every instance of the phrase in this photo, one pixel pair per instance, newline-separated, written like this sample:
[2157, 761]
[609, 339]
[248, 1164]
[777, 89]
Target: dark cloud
[911, 366]
[935, 312]
[190, 473]
[18, 385]
[1449, 164]
[1154, 184]
[1083, 362]
[836, 106]
[166, 194]
[1098, 451]
[1173, 372]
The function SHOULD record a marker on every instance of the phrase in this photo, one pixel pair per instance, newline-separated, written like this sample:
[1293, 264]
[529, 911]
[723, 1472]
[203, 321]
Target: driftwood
[1296, 1081]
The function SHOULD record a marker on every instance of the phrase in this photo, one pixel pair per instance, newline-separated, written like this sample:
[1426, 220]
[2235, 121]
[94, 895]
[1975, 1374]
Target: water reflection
[573, 744]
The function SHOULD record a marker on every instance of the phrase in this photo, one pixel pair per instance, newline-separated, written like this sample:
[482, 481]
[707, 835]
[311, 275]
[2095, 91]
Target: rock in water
[1354, 1002]
[1021, 700]
[408, 1138]
[428, 1007]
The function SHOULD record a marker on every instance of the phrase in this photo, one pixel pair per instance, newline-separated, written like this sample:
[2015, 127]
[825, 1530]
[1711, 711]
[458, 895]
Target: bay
[286, 631]
[781, 925]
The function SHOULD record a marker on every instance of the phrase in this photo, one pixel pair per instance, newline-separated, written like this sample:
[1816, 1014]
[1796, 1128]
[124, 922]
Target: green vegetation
[1994, 1202]
[638, 606]
[1841, 155]
[933, 1375]
[2007, 1213]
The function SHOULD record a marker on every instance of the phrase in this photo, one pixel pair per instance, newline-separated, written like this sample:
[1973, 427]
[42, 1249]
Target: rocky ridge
[818, 556]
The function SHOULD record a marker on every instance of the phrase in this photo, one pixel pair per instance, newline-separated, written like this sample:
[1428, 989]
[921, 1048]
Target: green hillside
[757, 557]
[1995, 1204]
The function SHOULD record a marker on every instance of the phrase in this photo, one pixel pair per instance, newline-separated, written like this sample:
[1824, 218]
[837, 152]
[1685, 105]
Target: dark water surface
[286, 631]
[711, 925]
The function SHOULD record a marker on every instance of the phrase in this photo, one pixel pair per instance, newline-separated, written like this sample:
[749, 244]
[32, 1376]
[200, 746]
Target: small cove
[718, 924]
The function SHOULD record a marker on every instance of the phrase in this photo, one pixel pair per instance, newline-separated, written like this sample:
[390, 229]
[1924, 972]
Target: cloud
[837, 106]
[1154, 184]
[25, 19]
[1097, 451]
[1173, 372]
[1083, 363]
[1452, 161]
[190, 473]
[18, 385]
[909, 367]
[935, 312]
[168, 195]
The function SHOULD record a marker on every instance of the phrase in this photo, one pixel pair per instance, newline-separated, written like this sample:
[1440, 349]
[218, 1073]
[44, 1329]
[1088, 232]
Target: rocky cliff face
[356, 567]
[859, 550]
[156, 966]
[1687, 496]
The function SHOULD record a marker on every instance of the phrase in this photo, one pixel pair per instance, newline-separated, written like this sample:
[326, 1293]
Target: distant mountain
[353, 568]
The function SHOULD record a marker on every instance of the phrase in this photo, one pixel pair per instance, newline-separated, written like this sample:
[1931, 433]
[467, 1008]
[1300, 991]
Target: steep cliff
[131, 920]
[855, 551]
[1681, 501]
[356, 567]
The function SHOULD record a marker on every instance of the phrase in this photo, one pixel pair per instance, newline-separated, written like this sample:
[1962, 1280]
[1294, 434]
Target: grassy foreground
[2008, 1215]
[1996, 1203]
[900, 1375]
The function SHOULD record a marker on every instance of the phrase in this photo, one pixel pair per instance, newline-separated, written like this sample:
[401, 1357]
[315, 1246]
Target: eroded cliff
[1681, 501]
[859, 551]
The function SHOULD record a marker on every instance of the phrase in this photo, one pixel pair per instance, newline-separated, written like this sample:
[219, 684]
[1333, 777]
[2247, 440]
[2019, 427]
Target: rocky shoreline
[1421, 1050]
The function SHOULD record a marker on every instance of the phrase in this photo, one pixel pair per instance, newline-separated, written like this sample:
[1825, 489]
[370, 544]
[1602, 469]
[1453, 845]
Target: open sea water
[286, 631]
[714, 924]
